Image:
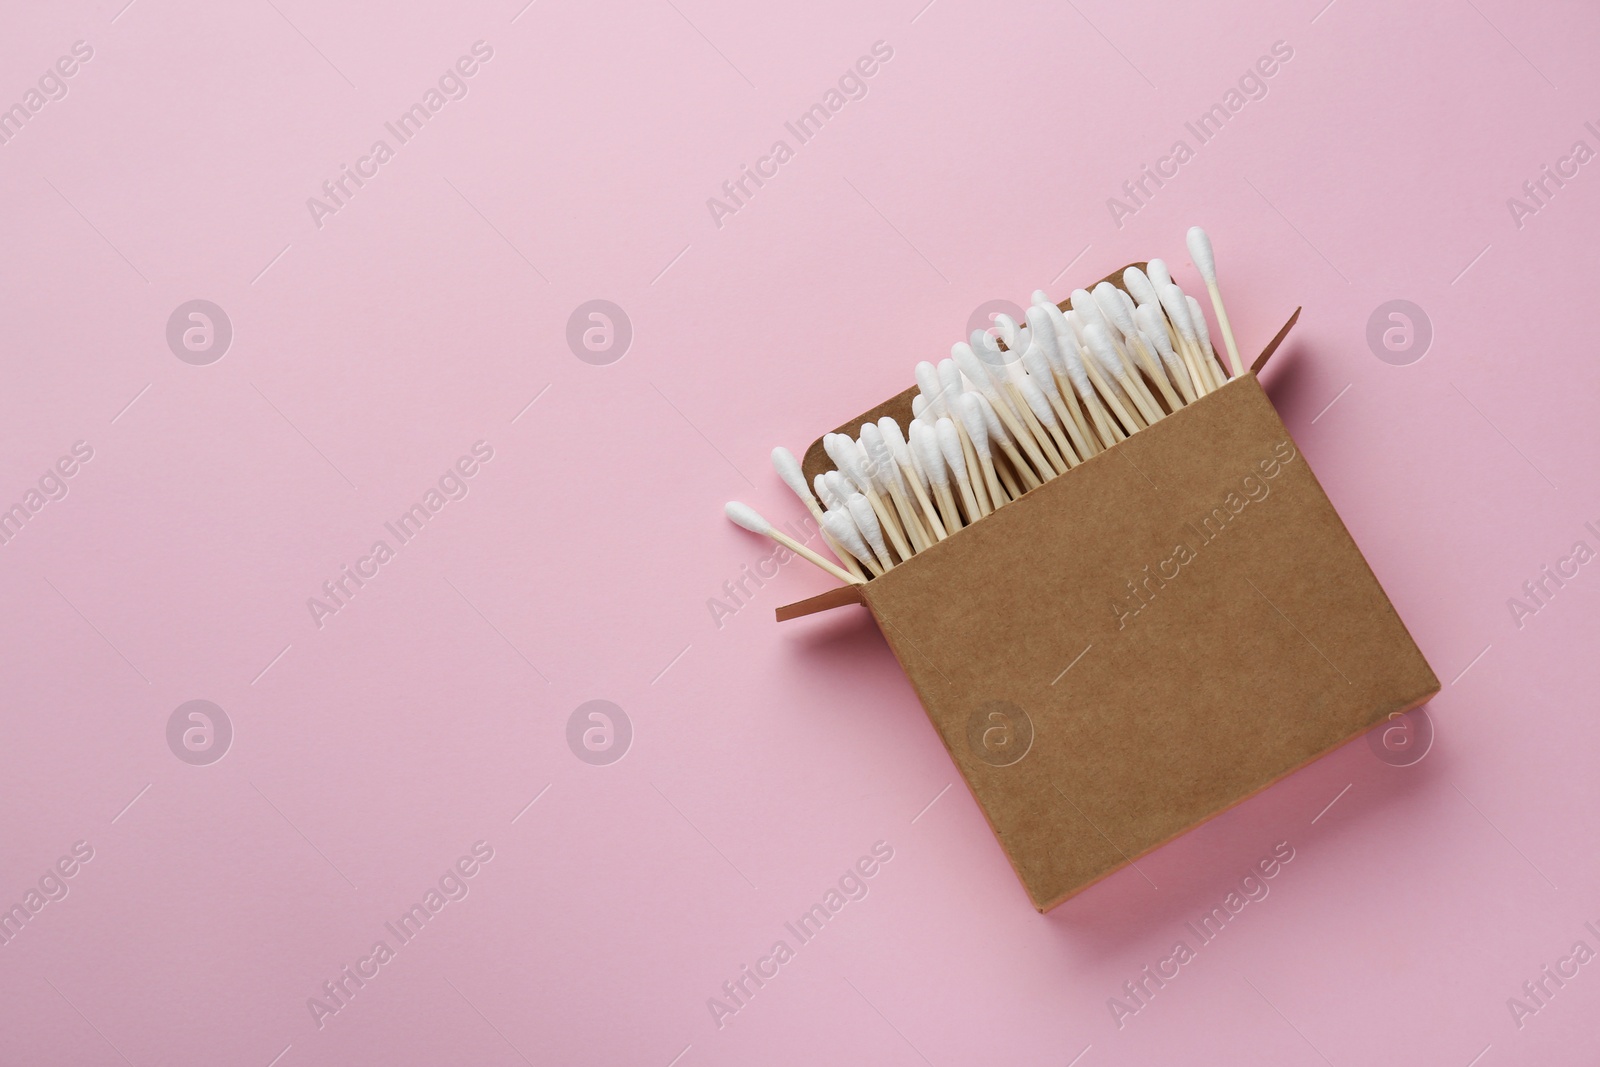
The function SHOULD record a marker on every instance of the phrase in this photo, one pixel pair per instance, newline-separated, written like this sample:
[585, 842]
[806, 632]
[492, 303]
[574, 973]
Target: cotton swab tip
[1197, 318]
[843, 530]
[1138, 283]
[1108, 298]
[1177, 308]
[848, 460]
[1158, 273]
[840, 486]
[894, 439]
[1085, 307]
[1042, 332]
[1037, 402]
[950, 382]
[788, 469]
[950, 445]
[924, 442]
[927, 376]
[1100, 347]
[1008, 329]
[747, 516]
[991, 419]
[1154, 328]
[825, 492]
[1038, 366]
[970, 407]
[973, 367]
[1205, 261]
[866, 520]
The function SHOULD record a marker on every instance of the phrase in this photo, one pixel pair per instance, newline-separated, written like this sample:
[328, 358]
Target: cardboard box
[1145, 641]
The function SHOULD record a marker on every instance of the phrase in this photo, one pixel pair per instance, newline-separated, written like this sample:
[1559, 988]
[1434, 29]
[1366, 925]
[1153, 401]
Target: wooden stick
[751, 520]
[1024, 471]
[889, 523]
[801, 550]
[844, 531]
[1045, 416]
[1157, 373]
[788, 468]
[1007, 479]
[1203, 343]
[1133, 384]
[948, 504]
[1154, 324]
[1078, 367]
[949, 439]
[864, 515]
[1205, 261]
[930, 513]
[969, 454]
[1035, 431]
[920, 538]
[1090, 441]
[1129, 423]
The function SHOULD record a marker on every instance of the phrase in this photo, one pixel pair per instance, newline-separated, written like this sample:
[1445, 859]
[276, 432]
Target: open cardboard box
[1145, 641]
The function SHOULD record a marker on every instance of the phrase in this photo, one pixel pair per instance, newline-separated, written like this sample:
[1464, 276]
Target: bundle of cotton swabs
[988, 425]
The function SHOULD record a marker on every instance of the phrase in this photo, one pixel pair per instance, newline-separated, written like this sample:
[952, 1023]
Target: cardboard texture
[1145, 641]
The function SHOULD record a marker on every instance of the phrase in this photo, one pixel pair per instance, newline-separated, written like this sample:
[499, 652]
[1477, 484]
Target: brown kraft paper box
[1145, 641]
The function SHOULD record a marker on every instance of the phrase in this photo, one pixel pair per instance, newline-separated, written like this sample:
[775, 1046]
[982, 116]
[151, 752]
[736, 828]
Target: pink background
[425, 315]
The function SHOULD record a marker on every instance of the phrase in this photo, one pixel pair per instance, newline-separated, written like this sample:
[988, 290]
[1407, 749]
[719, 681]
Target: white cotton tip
[988, 350]
[916, 464]
[830, 445]
[1177, 309]
[991, 419]
[1008, 329]
[1042, 332]
[973, 366]
[1038, 367]
[869, 468]
[825, 492]
[840, 486]
[848, 460]
[1205, 261]
[1076, 372]
[950, 448]
[1085, 307]
[1101, 348]
[1063, 337]
[1036, 401]
[840, 527]
[1138, 284]
[924, 442]
[1153, 326]
[1128, 303]
[1158, 273]
[852, 467]
[950, 384]
[1177, 370]
[1040, 298]
[1197, 317]
[747, 516]
[1075, 324]
[928, 384]
[788, 469]
[866, 521]
[1109, 299]
[970, 407]
[881, 462]
[921, 409]
[895, 440]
